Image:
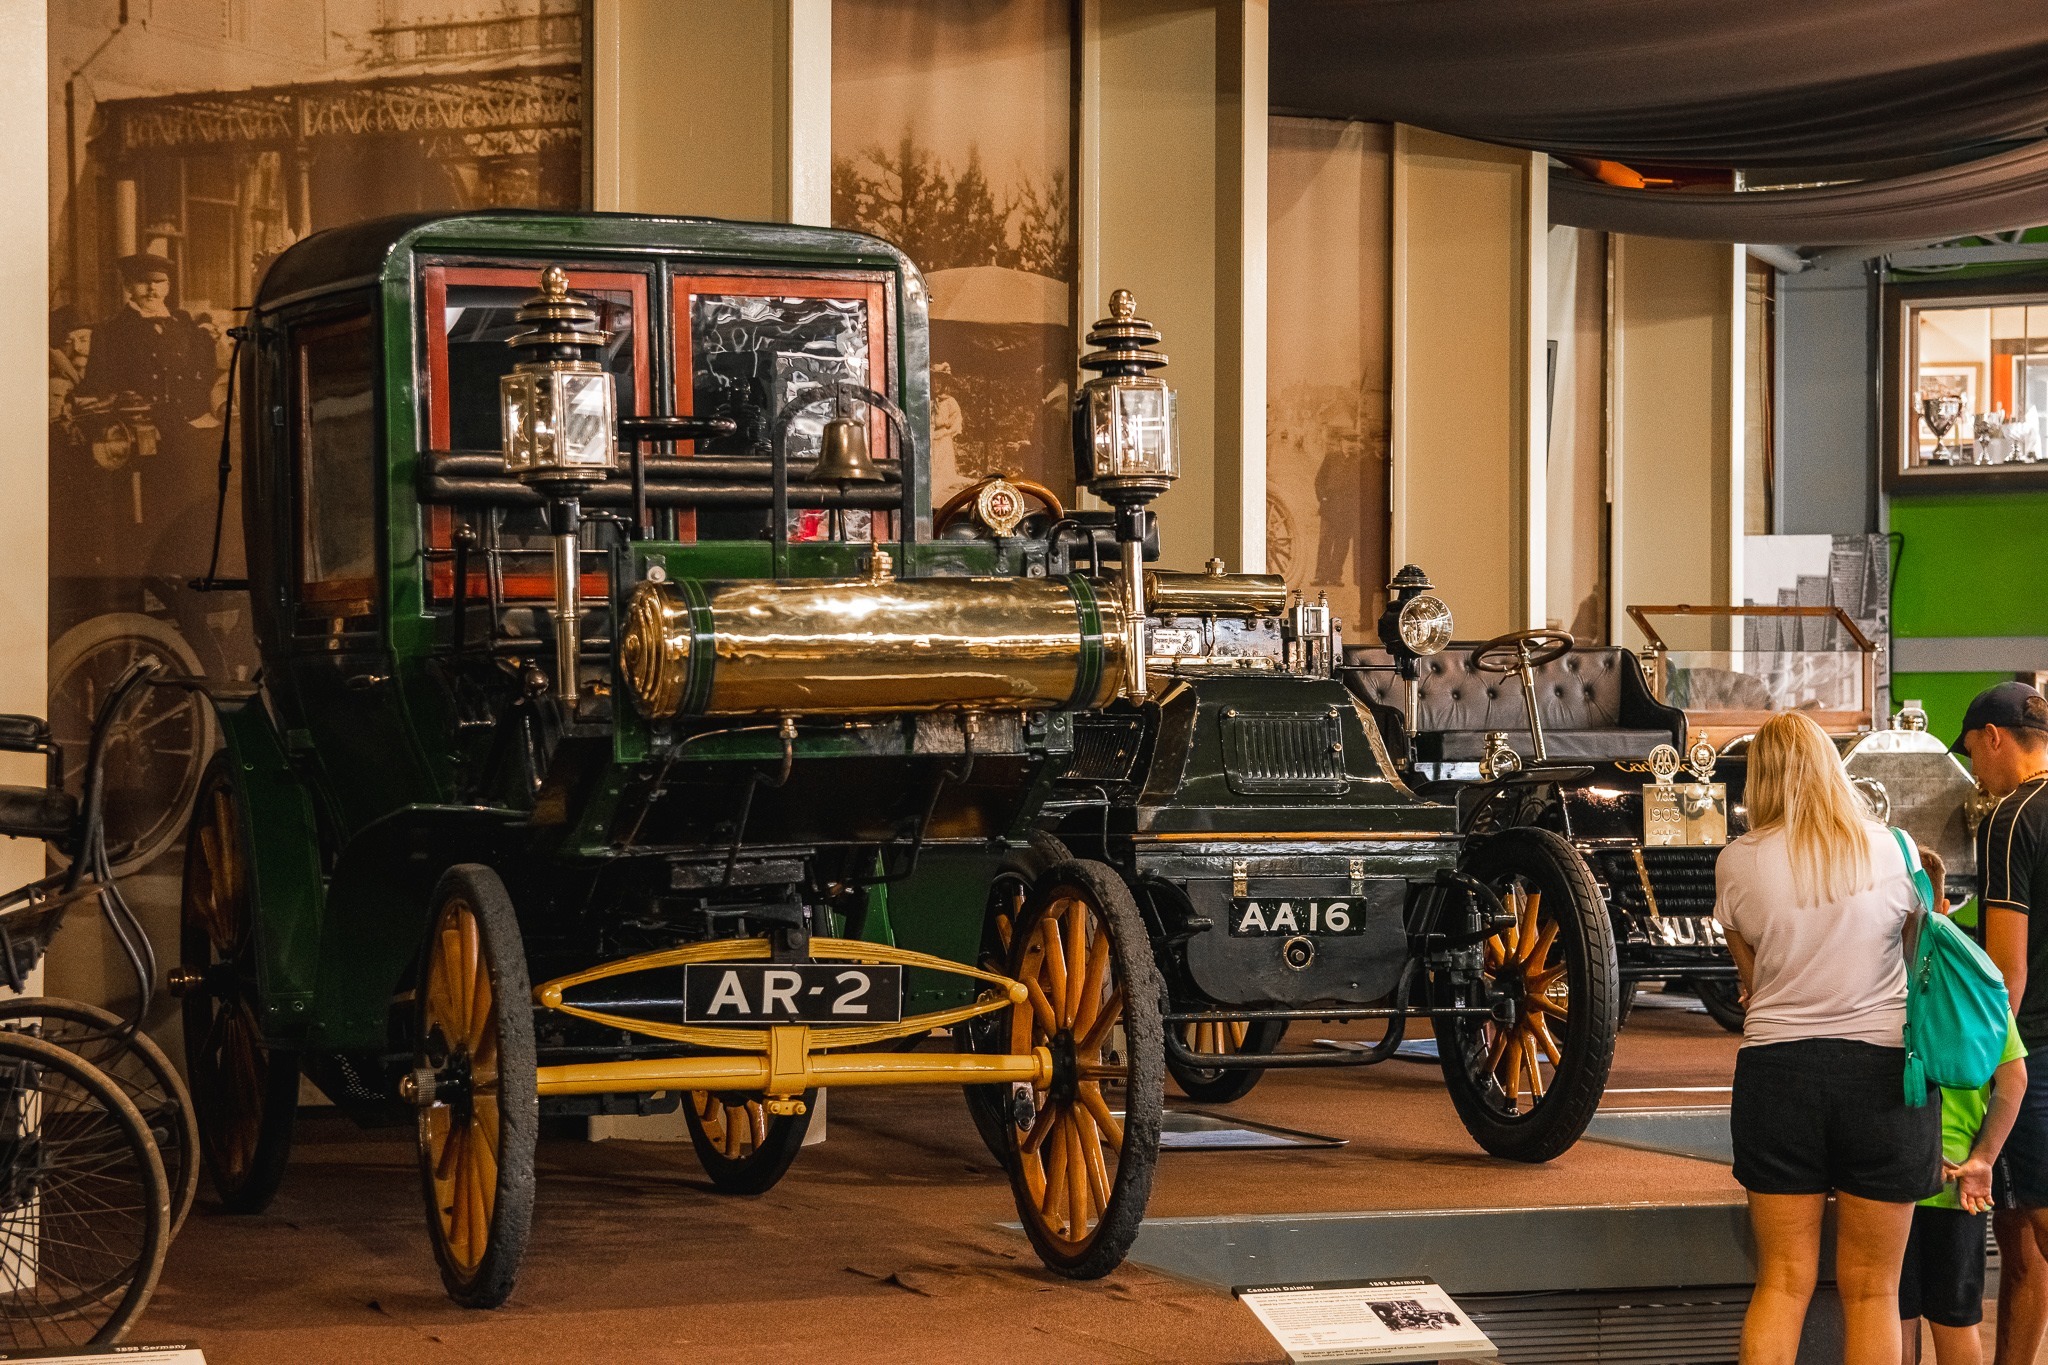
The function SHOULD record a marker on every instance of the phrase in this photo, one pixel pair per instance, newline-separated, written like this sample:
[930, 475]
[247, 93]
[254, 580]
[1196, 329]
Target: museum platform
[887, 1242]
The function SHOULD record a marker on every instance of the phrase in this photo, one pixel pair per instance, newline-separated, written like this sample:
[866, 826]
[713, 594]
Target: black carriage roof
[362, 251]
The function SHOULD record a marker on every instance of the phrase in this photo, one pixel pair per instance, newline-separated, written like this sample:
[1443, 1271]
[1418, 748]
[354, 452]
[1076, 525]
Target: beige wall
[24, 426]
[1677, 430]
[1172, 207]
[1467, 443]
[715, 107]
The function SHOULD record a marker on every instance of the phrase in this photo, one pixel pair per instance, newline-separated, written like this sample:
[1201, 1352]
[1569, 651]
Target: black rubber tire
[1552, 1123]
[133, 1061]
[1130, 967]
[1723, 1000]
[757, 1171]
[509, 1221]
[81, 1108]
[989, 1105]
[1625, 1004]
[1220, 1085]
[245, 1094]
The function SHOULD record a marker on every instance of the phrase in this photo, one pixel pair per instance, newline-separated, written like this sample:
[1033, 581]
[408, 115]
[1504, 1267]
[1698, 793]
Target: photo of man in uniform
[153, 351]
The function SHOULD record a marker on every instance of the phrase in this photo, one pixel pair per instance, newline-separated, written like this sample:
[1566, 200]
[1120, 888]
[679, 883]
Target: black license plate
[1285, 916]
[796, 993]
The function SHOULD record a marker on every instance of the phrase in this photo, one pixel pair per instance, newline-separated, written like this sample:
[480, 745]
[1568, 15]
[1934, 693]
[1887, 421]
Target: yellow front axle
[784, 1060]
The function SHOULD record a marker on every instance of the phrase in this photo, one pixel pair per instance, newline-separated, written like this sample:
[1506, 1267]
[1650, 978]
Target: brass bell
[843, 454]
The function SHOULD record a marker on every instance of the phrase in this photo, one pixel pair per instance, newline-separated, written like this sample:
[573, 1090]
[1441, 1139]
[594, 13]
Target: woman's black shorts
[1824, 1114]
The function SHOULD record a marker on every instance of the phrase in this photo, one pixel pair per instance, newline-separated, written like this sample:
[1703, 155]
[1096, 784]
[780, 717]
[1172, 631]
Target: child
[1942, 1278]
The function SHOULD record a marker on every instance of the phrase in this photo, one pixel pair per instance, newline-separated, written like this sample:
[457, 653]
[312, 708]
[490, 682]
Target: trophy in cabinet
[1940, 412]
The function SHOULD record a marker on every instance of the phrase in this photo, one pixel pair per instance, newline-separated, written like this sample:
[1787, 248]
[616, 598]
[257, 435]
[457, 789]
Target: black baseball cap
[2013, 705]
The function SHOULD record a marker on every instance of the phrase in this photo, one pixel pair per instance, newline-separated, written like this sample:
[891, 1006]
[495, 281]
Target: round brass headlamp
[1425, 624]
[654, 652]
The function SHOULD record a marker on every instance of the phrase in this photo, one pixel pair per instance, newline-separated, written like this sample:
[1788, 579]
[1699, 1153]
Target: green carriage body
[365, 777]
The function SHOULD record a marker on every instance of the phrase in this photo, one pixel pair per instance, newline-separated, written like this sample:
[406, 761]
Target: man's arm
[2005, 941]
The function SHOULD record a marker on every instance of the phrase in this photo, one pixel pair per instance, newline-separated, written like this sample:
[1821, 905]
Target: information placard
[1366, 1320]
[174, 1354]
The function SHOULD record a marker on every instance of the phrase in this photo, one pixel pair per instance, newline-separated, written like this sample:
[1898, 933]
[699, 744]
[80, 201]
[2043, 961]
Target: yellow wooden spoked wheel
[992, 1107]
[1223, 1038]
[1527, 1079]
[1081, 1168]
[473, 1080]
[743, 1148]
[244, 1092]
[1526, 961]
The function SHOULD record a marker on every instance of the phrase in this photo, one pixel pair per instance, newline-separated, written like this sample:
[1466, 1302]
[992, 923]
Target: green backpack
[1957, 1013]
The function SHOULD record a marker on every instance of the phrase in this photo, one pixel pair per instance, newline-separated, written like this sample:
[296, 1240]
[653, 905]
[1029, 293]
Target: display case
[1966, 384]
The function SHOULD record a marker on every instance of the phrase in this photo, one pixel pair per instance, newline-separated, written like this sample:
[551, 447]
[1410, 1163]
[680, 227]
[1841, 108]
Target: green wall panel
[1972, 564]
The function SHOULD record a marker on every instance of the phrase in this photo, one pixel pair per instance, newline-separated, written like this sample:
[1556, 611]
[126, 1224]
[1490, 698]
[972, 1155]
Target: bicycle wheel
[85, 1211]
[132, 1061]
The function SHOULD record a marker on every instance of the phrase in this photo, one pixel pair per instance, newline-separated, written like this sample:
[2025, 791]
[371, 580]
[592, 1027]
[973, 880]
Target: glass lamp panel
[584, 427]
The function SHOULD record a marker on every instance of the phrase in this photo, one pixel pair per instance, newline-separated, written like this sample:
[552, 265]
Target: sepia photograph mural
[191, 142]
[1328, 225]
[952, 138]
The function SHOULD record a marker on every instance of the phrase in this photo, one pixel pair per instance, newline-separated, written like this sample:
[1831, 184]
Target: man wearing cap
[2005, 733]
[151, 350]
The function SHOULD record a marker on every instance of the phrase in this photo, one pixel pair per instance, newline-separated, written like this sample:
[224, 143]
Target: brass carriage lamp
[1127, 447]
[561, 436]
[1415, 624]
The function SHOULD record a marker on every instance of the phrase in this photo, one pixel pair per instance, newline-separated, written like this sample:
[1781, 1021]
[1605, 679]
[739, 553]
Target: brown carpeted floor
[882, 1244]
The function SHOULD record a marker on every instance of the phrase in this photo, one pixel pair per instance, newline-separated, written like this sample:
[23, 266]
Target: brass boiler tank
[867, 646]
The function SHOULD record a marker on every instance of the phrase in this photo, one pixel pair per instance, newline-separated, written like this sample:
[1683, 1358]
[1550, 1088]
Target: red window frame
[435, 280]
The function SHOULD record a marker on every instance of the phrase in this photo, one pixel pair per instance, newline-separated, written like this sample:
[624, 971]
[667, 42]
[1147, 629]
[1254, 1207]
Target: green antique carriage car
[439, 800]
[716, 771]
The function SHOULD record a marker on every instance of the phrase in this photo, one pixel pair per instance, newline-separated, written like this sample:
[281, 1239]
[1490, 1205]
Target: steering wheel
[1508, 653]
[971, 499]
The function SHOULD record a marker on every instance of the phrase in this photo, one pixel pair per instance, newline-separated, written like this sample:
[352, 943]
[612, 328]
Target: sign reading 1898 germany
[796, 993]
[1302, 915]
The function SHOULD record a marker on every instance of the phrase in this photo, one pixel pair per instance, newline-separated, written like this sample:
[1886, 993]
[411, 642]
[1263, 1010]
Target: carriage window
[472, 313]
[757, 349]
[337, 464]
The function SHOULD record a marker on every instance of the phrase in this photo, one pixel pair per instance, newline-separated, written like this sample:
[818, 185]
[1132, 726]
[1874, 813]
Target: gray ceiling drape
[1750, 83]
[1801, 85]
[1994, 194]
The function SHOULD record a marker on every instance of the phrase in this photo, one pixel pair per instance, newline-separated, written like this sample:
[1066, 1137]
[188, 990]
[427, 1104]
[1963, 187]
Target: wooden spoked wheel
[1081, 1168]
[742, 1147]
[993, 1106]
[245, 1093]
[1526, 1080]
[1220, 1085]
[1526, 961]
[474, 1084]
[132, 1060]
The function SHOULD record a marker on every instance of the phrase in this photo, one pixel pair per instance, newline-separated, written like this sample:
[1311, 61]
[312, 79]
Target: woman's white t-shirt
[1835, 970]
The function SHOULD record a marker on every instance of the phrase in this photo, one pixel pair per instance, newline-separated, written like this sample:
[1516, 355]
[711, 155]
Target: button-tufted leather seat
[1595, 703]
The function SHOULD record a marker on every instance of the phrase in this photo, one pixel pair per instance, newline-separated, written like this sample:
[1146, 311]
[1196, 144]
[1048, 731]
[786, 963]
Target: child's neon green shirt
[1962, 1118]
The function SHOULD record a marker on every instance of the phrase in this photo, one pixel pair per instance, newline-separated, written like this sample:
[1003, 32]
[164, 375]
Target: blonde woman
[1814, 899]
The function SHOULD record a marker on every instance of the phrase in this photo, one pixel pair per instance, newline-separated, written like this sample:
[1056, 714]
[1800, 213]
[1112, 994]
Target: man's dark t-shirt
[2012, 874]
